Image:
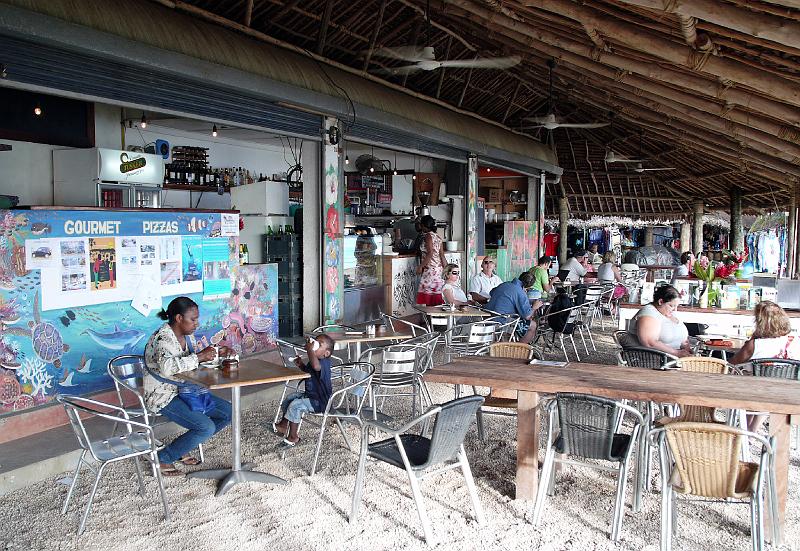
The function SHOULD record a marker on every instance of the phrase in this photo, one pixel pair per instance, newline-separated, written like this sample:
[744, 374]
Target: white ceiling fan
[550, 121]
[424, 59]
[639, 168]
[612, 157]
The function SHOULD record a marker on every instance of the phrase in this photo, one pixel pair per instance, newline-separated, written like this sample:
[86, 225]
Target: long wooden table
[778, 397]
[250, 372]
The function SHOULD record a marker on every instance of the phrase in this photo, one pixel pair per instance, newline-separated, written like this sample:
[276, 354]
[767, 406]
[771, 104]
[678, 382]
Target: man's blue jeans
[202, 426]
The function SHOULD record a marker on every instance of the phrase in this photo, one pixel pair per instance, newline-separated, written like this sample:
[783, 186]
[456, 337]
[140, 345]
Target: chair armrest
[404, 428]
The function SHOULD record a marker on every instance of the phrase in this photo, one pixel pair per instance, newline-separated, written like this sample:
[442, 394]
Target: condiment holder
[231, 363]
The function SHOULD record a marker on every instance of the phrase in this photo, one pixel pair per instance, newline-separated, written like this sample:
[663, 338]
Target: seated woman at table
[318, 389]
[452, 293]
[608, 272]
[771, 339]
[656, 326]
[171, 350]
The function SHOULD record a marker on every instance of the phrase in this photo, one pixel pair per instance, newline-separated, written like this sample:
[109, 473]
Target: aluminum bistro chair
[562, 331]
[397, 324]
[429, 341]
[507, 328]
[702, 459]
[139, 440]
[421, 456]
[398, 373]
[468, 339]
[127, 372]
[587, 429]
[587, 314]
[288, 352]
[336, 328]
[507, 406]
[345, 404]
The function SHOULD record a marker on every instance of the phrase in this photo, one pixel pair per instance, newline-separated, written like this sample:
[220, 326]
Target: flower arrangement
[729, 267]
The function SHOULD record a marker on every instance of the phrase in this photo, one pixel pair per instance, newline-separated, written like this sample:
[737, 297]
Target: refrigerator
[260, 204]
[107, 178]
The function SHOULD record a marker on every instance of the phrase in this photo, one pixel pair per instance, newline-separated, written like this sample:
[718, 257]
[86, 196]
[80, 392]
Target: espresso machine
[424, 198]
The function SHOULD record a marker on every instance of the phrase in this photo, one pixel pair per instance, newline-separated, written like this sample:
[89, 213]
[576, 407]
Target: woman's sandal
[168, 469]
[189, 461]
[278, 431]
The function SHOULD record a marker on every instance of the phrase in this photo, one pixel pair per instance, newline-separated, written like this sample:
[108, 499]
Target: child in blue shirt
[318, 389]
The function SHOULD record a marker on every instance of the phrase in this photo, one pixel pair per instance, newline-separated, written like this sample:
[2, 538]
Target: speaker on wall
[162, 148]
[455, 177]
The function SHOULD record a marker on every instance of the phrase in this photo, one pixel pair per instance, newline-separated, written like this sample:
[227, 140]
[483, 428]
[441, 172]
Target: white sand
[311, 513]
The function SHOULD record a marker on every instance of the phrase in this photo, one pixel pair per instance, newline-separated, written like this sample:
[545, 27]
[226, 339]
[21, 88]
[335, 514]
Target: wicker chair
[778, 368]
[648, 358]
[698, 364]
[513, 350]
[702, 459]
[588, 427]
[421, 456]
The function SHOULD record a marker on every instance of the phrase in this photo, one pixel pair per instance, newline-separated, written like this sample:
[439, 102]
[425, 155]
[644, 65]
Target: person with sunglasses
[482, 283]
[452, 293]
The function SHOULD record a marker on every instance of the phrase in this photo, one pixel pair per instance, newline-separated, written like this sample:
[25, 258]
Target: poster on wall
[65, 348]
[216, 270]
[229, 224]
[41, 253]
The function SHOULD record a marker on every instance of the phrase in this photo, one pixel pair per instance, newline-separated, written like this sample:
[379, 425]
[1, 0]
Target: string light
[346, 160]
[214, 131]
[37, 110]
[143, 122]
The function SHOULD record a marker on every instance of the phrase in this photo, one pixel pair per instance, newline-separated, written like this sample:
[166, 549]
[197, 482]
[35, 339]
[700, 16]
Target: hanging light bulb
[214, 131]
[372, 169]
[346, 160]
[394, 172]
[143, 122]
[37, 110]
[488, 169]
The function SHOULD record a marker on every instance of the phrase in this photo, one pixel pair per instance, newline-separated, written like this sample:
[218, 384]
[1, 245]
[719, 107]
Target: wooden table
[778, 397]
[250, 372]
[357, 338]
[451, 315]
[736, 344]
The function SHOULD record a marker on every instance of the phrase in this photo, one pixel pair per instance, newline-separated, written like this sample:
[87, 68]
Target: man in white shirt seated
[482, 283]
[576, 265]
[685, 269]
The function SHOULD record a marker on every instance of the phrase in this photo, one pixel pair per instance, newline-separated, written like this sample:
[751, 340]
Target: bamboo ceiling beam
[626, 197]
[442, 70]
[375, 31]
[587, 58]
[752, 22]
[323, 29]
[466, 85]
[248, 13]
[653, 44]
[288, 6]
[511, 103]
[697, 178]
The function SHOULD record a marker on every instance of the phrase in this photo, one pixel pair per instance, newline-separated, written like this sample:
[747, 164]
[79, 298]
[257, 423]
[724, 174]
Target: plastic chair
[420, 456]
[345, 404]
[587, 429]
[513, 350]
[702, 459]
[127, 372]
[138, 441]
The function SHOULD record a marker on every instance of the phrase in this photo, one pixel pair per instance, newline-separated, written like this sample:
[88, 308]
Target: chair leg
[583, 338]
[139, 475]
[362, 460]
[673, 511]
[82, 526]
[563, 347]
[756, 521]
[666, 522]
[575, 348]
[74, 482]
[421, 511]
[473, 493]
[319, 444]
[344, 434]
[201, 453]
[619, 506]
[591, 340]
[773, 504]
[154, 460]
[481, 431]
[544, 482]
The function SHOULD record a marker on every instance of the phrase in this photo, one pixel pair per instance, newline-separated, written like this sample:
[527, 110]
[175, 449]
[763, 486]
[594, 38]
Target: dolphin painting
[117, 339]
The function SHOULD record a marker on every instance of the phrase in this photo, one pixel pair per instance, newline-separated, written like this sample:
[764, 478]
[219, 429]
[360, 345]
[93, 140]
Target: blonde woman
[452, 293]
[771, 338]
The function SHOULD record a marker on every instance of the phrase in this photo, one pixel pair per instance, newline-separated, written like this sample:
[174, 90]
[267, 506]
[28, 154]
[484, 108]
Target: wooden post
[697, 246]
[736, 239]
[686, 236]
[563, 219]
[648, 236]
[791, 237]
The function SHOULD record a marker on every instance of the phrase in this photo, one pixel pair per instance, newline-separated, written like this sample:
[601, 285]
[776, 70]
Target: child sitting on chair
[318, 389]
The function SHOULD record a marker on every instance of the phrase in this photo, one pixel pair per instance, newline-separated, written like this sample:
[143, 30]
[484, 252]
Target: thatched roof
[711, 88]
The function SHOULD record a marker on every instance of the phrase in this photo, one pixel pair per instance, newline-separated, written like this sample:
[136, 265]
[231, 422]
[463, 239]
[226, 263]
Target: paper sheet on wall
[229, 226]
[147, 296]
[41, 253]
[216, 270]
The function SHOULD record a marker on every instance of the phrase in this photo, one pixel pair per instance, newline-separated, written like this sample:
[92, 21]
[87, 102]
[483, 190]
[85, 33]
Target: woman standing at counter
[431, 266]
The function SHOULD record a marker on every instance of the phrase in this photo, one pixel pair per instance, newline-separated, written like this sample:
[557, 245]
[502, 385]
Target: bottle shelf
[186, 187]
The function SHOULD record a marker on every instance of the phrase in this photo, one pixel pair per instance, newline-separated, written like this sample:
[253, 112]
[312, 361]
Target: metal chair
[394, 323]
[420, 456]
[513, 350]
[468, 339]
[587, 313]
[587, 429]
[507, 328]
[138, 441]
[127, 372]
[336, 328]
[648, 358]
[345, 404]
[397, 367]
[288, 352]
[698, 364]
[549, 328]
[778, 368]
[702, 459]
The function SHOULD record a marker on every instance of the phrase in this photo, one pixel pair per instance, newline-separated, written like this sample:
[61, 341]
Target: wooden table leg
[779, 427]
[528, 426]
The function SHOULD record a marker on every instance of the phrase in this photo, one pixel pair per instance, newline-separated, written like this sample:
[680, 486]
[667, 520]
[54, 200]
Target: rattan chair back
[587, 425]
[777, 368]
[647, 358]
[449, 429]
[514, 350]
[703, 364]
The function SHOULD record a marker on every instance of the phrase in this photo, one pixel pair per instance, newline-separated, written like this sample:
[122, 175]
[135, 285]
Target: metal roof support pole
[736, 236]
[698, 226]
[791, 238]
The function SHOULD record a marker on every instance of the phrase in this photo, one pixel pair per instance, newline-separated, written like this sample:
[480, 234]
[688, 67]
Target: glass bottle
[269, 231]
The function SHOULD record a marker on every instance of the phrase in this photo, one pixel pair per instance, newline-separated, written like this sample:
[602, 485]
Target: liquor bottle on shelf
[280, 229]
[245, 254]
[269, 231]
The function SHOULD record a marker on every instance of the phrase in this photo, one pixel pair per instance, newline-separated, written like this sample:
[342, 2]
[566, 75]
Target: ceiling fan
[612, 157]
[424, 58]
[639, 168]
[550, 121]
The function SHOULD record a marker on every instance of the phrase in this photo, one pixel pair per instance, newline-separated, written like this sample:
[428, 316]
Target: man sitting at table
[511, 297]
[576, 265]
[318, 389]
[482, 283]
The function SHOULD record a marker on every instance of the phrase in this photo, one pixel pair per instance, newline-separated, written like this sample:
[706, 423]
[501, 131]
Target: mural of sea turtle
[47, 341]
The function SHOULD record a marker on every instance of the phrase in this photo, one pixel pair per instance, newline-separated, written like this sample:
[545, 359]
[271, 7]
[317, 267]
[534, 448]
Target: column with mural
[332, 238]
[540, 198]
[471, 214]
